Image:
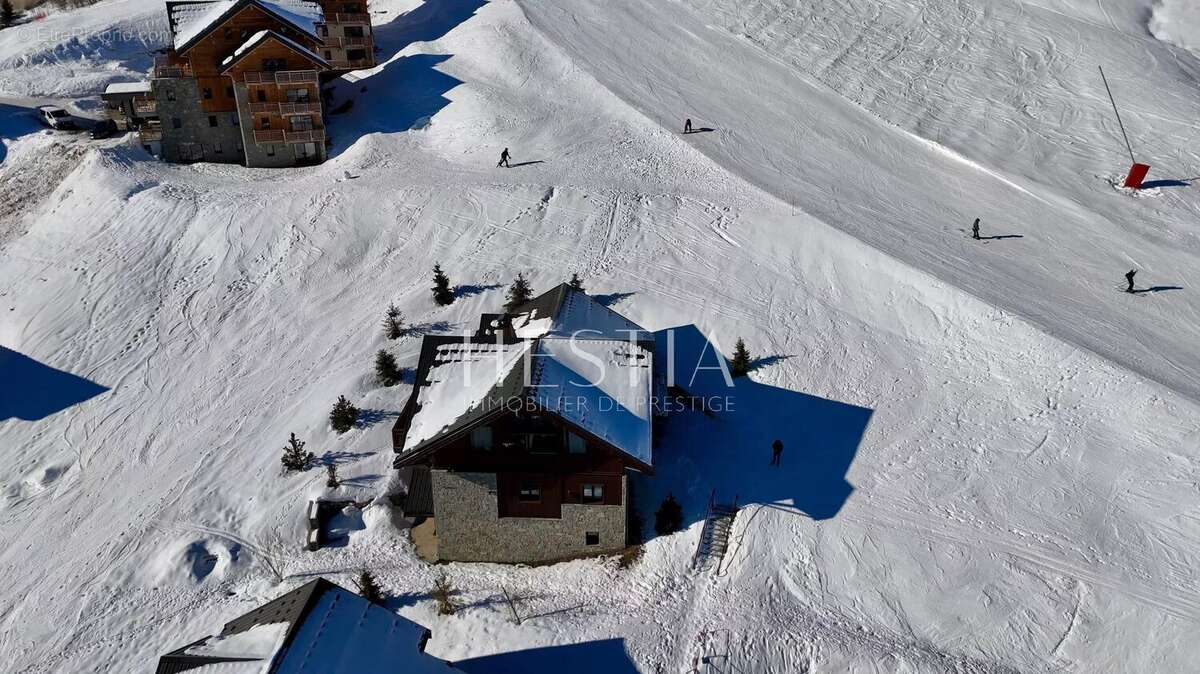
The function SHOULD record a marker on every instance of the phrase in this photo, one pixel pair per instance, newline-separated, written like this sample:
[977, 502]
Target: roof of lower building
[262, 36]
[191, 20]
[318, 627]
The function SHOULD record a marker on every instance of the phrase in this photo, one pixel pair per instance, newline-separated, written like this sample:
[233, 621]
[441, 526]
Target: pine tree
[669, 517]
[442, 294]
[343, 416]
[393, 323]
[369, 589]
[331, 476]
[6, 14]
[576, 283]
[443, 594]
[294, 456]
[386, 369]
[518, 293]
[741, 360]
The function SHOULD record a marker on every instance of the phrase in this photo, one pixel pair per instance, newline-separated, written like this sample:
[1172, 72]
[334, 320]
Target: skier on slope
[975, 230]
[687, 125]
[1129, 277]
[503, 159]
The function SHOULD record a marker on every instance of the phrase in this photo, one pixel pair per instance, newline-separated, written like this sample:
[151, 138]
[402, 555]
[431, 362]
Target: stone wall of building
[470, 530]
[196, 139]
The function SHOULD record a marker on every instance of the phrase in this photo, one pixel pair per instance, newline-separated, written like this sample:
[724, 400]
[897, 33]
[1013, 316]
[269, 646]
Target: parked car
[55, 117]
[104, 129]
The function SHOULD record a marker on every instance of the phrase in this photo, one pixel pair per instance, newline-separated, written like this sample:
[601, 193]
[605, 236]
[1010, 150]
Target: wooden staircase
[714, 537]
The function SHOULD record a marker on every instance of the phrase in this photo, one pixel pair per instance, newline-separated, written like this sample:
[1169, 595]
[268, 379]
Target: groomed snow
[990, 460]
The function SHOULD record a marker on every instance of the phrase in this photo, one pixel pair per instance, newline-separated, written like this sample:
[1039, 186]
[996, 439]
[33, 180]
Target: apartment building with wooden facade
[242, 81]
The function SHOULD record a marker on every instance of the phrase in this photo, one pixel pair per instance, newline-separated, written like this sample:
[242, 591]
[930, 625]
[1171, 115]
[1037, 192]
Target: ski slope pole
[1118, 114]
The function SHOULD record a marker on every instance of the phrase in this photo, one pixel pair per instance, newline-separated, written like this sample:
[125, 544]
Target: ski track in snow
[1019, 503]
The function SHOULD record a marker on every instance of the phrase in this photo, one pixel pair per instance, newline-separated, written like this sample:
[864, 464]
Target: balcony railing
[353, 19]
[143, 106]
[282, 77]
[281, 136]
[286, 108]
[334, 41]
[150, 134]
[356, 64]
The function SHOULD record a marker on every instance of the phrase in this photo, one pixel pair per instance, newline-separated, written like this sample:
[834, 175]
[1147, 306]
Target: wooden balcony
[356, 64]
[145, 106]
[150, 133]
[333, 41]
[282, 77]
[348, 19]
[275, 136]
[309, 108]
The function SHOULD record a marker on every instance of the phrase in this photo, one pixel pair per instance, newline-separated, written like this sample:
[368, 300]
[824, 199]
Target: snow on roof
[259, 642]
[127, 88]
[263, 35]
[458, 381]
[345, 634]
[189, 20]
[602, 385]
[566, 311]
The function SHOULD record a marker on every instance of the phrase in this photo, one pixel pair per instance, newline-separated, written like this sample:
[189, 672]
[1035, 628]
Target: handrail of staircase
[707, 513]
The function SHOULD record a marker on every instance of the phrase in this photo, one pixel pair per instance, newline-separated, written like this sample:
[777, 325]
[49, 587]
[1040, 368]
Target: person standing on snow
[776, 451]
[687, 125]
[975, 230]
[1129, 277]
[503, 159]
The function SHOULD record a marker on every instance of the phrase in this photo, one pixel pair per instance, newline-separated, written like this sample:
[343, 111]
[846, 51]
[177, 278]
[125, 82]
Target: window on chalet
[301, 123]
[266, 123]
[274, 65]
[233, 119]
[212, 120]
[170, 94]
[530, 493]
[543, 442]
[481, 438]
[207, 93]
[593, 493]
[228, 92]
[297, 95]
[262, 95]
[328, 55]
[323, 30]
[270, 150]
[351, 9]
[356, 54]
[576, 444]
[591, 538]
[354, 31]
[176, 123]
[217, 149]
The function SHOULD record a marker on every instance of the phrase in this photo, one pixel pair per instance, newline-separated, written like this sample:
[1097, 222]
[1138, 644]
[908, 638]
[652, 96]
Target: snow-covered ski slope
[991, 455]
[901, 122]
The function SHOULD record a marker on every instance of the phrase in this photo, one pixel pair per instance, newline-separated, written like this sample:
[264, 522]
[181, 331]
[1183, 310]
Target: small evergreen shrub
[343, 416]
[669, 517]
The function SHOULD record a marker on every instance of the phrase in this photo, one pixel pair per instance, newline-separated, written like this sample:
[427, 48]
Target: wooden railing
[282, 77]
[280, 136]
[334, 41]
[150, 134]
[298, 108]
[352, 65]
[348, 18]
[145, 106]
